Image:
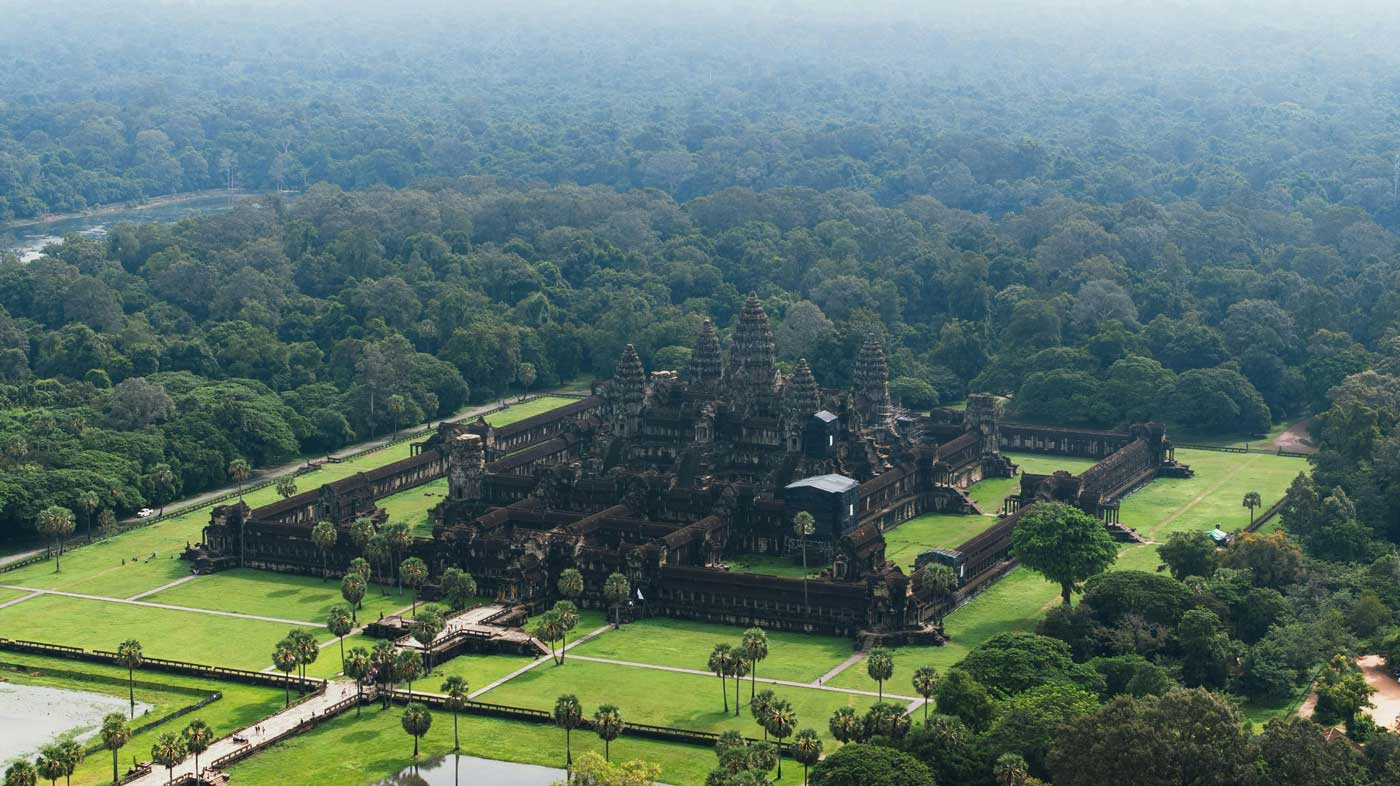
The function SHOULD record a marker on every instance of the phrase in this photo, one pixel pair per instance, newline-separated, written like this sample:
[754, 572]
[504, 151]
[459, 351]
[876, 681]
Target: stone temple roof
[829, 483]
[825, 416]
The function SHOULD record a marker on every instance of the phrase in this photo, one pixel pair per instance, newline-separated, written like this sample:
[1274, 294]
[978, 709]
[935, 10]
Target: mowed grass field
[683, 644]
[241, 705]
[264, 594]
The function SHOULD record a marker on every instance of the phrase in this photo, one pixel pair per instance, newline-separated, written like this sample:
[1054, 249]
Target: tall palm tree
[340, 622]
[571, 583]
[168, 751]
[607, 722]
[755, 646]
[49, 765]
[550, 629]
[129, 655]
[807, 749]
[198, 737]
[88, 502]
[324, 535]
[416, 721]
[115, 734]
[240, 470]
[720, 659]
[352, 589]
[880, 666]
[781, 720]
[759, 706]
[361, 530]
[568, 714]
[408, 666]
[378, 550]
[307, 650]
[617, 589]
[56, 523]
[286, 660]
[804, 526]
[413, 572]
[383, 659]
[357, 667]
[1252, 501]
[425, 629]
[738, 669]
[399, 537]
[71, 753]
[846, 725]
[455, 688]
[163, 483]
[568, 620]
[1010, 770]
[925, 683]
[361, 566]
[21, 773]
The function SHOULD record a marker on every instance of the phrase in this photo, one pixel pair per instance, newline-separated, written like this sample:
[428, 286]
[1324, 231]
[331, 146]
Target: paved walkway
[784, 683]
[162, 588]
[166, 606]
[845, 664]
[20, 599]
[272, 728]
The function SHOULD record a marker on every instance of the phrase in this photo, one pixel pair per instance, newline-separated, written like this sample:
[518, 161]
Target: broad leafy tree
[1063, 544]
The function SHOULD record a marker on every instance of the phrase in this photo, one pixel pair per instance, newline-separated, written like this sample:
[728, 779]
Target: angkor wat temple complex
[666, 476]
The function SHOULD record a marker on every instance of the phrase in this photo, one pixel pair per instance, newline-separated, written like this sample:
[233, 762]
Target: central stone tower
[753, 371]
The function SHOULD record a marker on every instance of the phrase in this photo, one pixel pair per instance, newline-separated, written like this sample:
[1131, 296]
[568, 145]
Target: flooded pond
[28, 241]
[32, 716]
[456, 770]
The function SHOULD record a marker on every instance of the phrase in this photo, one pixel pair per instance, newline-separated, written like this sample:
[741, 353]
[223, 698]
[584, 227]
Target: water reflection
[451, 770]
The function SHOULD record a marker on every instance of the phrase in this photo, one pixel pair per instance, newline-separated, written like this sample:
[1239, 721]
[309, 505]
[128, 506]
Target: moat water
[33, 716]
[458, 770]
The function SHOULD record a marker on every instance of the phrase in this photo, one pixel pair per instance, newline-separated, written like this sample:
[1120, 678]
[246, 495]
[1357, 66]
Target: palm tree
[416, 721]
[413, 572]
[396, 405]
[163, 483]
[880, 666]
[71, 753]
[755, 646]
[56, 523]
[804, 526]
[759, 706]
[198, 737]
[807, 749]
[399, 537]
[846, 725]
[607, 721]
[781, 720]
[408, 666]
[168, 751]
[21, 773]
[352, 589]
[721, 658]
[1010, 770]
[738, 669]
[106, 523]
[240, 470]
[286, 486]
[378, 550]
[115, 734]
[361, 530]
[360, 565]
[571, 583]
[340, 622]
[382, 660]
[307, 650]
[568, 714]
[50, 764]
[324, 536]
[88, 502]
[425, 630]
[617, 589]
[1252, 501]
[925, 683]
[455, 688]
[550, 629]
[357, 667]
[285, 660]
[129, 655]
[936, 580]
[568, 620]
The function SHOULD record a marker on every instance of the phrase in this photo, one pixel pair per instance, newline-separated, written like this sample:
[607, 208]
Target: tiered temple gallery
[664, 477]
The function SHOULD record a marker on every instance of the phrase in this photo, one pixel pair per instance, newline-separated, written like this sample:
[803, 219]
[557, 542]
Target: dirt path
[1296, 439]
[1386, 699]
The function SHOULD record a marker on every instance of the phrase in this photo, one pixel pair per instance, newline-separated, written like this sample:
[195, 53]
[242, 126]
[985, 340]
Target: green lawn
[285, 596]
[350, 751]
[686, 701]
[687, 645]
[241, 705]
[479, 670]
[931, 530]
[769, 565]
[514, 412]
[180, 635]
[412, 505]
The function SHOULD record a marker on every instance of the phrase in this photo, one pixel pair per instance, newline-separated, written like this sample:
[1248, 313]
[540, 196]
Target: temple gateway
[667, 476]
